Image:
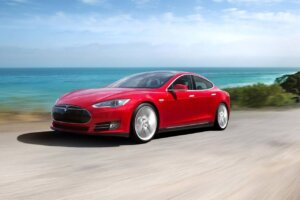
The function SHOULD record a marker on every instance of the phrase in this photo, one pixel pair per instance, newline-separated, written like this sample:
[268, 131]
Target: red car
[143, 104]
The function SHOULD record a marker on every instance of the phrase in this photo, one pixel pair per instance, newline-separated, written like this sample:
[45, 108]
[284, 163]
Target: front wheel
[144, 123]
[222, 117]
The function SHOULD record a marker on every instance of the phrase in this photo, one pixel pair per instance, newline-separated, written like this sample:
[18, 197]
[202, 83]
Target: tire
[222, 117]
[144, 123]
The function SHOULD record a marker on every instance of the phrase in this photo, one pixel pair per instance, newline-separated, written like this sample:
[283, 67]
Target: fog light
[114, 125]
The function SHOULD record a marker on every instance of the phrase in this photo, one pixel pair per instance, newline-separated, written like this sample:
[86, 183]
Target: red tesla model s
[143, 104]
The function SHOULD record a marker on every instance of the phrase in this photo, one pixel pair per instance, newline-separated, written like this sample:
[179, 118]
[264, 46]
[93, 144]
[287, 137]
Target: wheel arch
[225, 99]
[132, 133]
[225, 103]
[227, 106]
[216, 110]
[148, 102]
[155, 108]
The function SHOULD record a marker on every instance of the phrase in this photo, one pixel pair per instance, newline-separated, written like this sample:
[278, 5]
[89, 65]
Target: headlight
[111, 103]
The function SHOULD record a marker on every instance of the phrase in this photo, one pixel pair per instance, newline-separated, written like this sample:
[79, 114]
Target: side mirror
[180, 87]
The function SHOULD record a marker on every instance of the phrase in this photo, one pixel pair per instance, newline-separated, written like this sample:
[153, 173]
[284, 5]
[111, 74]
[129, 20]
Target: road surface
[256, 157]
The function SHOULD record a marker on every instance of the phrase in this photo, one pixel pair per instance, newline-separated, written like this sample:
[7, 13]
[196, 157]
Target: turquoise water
[32, 88]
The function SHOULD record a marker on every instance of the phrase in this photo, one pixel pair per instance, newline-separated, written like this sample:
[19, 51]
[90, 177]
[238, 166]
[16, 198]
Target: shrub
[291, 83]
[280, 99]
[259, 95]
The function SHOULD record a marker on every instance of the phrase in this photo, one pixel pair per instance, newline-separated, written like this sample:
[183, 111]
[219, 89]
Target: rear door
[204, 99]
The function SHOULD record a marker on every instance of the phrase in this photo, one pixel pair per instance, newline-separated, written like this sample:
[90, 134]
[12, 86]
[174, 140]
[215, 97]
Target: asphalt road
[256, 157]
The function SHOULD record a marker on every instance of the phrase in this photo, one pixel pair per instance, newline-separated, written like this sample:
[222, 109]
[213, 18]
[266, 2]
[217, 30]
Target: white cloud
[171, 29]
[145, 3]
[140, 2]
[16, 2]
[248, 1]
[199, 8]
[92, 2]
[238, 38]
[276, 17]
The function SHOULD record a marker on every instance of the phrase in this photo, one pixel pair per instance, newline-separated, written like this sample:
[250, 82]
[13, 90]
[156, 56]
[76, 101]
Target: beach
[256, 157]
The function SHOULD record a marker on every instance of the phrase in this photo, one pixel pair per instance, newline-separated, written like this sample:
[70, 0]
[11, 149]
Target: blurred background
[250, 48]
[48, 48]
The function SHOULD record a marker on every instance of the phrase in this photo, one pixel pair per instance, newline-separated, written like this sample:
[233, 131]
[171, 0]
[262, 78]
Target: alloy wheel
[222, 116]
[145, 123]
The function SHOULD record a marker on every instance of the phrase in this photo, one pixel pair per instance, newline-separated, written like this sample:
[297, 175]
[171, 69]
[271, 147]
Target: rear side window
[184, 80]
[201, 83]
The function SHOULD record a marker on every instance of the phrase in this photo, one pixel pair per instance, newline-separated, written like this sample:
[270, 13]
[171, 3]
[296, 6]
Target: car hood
[89, 97]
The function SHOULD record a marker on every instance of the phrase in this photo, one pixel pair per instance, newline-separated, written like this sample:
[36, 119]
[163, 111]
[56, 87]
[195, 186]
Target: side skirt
[185, 127]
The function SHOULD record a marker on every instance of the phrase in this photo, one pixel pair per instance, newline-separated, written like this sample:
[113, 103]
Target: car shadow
[52, 138]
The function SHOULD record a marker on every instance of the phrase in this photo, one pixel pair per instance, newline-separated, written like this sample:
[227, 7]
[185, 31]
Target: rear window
[201, 83]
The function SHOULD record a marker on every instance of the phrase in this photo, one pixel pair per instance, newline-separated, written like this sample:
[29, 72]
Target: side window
[184, 80]
[202, 84]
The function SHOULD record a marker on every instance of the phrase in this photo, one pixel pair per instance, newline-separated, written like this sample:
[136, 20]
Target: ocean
[35, 89]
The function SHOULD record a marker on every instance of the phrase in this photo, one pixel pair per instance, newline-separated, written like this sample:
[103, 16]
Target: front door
[178, 105]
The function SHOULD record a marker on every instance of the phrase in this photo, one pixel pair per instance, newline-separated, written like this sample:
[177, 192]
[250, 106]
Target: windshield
[144, 80]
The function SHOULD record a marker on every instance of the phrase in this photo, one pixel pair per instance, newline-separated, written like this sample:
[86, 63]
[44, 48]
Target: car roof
[172, 72]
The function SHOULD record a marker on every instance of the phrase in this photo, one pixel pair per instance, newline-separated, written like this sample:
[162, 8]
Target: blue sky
[149, 33]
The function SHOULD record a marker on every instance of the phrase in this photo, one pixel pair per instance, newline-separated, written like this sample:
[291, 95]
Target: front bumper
[100, 122]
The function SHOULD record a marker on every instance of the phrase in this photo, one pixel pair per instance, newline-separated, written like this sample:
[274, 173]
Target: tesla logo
[65, 109]
[161, 100]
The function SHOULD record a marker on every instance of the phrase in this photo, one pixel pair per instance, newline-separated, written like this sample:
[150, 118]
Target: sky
[150, 33]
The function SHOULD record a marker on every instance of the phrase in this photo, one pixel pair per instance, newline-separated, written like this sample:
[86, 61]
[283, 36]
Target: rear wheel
[144, 123]
[222, 117]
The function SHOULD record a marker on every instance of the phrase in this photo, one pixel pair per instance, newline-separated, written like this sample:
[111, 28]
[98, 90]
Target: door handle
[213, 94]
[191, 95]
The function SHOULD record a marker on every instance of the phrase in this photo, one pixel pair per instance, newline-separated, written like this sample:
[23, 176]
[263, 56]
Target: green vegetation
[291, 83]
[259, 95]
[285, 91]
